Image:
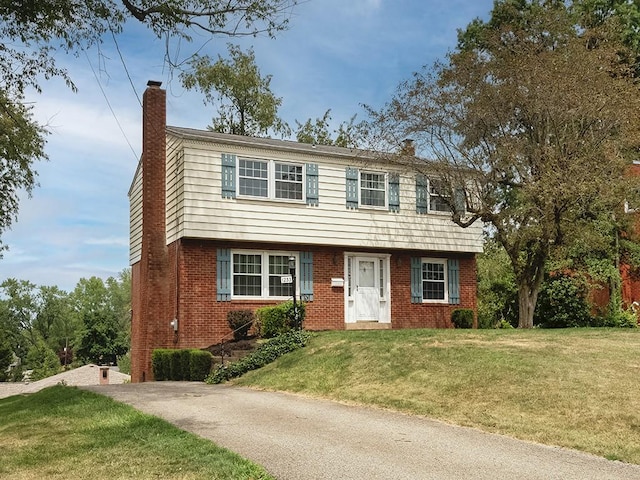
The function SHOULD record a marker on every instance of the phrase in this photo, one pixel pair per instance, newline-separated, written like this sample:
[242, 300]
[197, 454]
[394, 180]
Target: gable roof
[268, 143]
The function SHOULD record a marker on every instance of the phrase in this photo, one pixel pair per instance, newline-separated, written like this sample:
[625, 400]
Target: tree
[21, 145]
[101, 338]
[29, 313]
[317, 132]
[6, 358]
[246, 104]
[530, 125]
[42, 360]
[33, 33]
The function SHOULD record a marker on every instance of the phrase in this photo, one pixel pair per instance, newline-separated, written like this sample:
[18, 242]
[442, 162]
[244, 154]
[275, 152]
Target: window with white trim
[434, 280]
[437, 196]
[373, 189]
[257, 274]
[270, 179]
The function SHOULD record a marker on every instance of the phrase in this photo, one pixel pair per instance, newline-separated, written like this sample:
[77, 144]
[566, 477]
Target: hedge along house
[215, 218]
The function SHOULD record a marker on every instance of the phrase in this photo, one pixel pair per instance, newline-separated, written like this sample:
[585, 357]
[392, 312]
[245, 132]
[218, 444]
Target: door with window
[367, 288]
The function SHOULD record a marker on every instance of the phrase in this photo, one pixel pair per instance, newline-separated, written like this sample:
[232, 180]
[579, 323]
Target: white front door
[367, 288]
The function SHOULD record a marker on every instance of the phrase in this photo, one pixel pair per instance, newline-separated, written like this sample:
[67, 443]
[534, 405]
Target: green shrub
[161, 363]
[199, 365]
[240, 322]
[124, 363]
[504, 324]
[462, 318]
[180, 364]
[620, 319]
[265, 354]
[277, 319]
[562, 303]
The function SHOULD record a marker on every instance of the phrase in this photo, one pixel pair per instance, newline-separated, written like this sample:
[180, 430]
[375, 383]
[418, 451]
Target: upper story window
[438, 197]
[373, 189]
[288, 181]
[433, 195]
[377, 190]
[243, 177]
[270, 179]
[253, 178]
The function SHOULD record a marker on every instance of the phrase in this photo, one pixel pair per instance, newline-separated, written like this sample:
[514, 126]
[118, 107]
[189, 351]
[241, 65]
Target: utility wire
[136, 156]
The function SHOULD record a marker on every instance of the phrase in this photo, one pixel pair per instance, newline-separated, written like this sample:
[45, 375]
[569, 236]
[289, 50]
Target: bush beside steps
[263, 355]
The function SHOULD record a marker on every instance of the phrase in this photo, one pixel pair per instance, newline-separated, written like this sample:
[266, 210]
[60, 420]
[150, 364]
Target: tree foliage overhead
[535, 115]
[33, 33]
[246, 105]
[318, 132]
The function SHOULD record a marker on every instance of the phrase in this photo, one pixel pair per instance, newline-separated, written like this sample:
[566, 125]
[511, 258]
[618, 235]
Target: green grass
[62, 432]
[576, 388]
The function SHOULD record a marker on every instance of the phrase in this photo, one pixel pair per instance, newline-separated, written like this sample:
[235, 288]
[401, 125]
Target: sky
[336, 54]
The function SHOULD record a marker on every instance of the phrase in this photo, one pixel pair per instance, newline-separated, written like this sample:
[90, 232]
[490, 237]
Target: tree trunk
[527, 298]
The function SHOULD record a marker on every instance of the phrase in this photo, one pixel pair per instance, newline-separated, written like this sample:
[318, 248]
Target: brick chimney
[408, 147]
[150, 291]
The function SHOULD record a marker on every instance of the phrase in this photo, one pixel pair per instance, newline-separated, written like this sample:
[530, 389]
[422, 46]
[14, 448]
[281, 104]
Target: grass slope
[62, 432]
[575, 388]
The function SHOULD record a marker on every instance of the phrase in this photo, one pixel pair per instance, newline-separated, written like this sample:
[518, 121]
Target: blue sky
[336, 54]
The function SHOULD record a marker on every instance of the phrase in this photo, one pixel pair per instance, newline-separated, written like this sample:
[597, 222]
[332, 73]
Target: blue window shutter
[352, 187]
[312, 184]
[223, 274]
[421, 194]
[306, 276]
[394, 192]
[453, 274]
[460, 200]
[416, 280]
[228, 175]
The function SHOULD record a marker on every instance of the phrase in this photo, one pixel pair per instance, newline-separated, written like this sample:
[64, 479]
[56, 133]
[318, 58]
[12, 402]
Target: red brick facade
[179, 281]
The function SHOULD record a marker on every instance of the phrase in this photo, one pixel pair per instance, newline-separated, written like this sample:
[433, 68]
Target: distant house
[215, 219]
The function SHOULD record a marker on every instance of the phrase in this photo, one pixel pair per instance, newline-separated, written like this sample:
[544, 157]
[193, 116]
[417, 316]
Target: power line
[104, 94]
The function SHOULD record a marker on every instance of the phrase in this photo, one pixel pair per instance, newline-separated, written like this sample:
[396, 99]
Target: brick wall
[405, 314]
[151, 277]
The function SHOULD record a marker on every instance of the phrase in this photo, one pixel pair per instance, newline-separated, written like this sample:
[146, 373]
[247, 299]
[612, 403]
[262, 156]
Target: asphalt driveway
[297, 438]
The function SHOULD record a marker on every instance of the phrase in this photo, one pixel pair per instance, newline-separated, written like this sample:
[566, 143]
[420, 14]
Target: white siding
[135, 217]
[175, 189]
[208, 215]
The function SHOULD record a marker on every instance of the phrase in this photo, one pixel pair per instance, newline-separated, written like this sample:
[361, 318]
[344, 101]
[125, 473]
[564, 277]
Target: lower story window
[434, 280]
[259, 274]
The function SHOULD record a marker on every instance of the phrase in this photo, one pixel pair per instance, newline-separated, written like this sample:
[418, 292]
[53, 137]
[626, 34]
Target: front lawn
[65, 433]
[577, 388]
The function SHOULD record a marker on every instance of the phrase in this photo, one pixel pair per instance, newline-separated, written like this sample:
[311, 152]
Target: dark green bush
[199, 365]
[562, 303]
[277, 319]
[185, 364]
[161, 363]
[462, 318]
[240, 322]
[265, 354]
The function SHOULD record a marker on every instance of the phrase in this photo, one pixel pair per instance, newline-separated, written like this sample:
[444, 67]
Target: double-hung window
[373, 189]
[258, 274]
[434, 280]
[270, 179]
[288, 181]
[438, 196]
[253, 178]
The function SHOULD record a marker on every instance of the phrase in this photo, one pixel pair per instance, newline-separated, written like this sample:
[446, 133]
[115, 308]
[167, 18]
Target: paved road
[296, 438]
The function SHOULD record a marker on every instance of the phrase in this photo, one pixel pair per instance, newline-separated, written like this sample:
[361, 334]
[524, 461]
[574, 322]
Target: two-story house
[215, 219]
